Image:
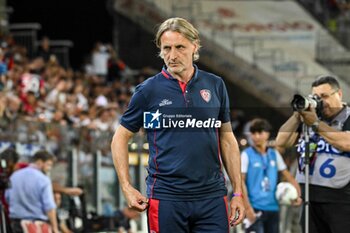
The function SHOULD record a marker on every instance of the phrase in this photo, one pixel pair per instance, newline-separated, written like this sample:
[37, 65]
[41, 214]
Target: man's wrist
[237, 194]
[316, 125]
[296, 115]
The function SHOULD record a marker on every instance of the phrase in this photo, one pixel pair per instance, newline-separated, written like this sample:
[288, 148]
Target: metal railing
[26, 34]
[84, 158]
[4, 16]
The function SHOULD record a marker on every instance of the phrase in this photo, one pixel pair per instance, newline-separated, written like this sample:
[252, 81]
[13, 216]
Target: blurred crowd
[40, 89]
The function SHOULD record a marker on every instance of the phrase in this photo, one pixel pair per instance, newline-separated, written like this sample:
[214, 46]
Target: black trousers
[327, 218]
[16, 226]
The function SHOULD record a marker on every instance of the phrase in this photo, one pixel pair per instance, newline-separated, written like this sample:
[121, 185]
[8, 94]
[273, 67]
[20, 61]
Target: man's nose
[173, 54]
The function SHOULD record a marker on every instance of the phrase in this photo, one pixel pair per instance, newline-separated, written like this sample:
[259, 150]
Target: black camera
[302, 103]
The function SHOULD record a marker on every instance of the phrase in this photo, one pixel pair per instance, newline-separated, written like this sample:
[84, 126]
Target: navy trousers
[203, 216]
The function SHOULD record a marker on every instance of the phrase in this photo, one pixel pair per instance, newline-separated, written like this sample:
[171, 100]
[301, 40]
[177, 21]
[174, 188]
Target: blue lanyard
[265, 161]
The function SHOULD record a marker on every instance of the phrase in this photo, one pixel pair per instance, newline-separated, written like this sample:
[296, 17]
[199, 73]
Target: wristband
[237, 195]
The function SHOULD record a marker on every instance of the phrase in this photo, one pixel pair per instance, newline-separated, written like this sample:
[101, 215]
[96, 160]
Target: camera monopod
[307, 174]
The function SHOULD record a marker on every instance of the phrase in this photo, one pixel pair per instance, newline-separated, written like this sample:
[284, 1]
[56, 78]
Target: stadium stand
[278, 41]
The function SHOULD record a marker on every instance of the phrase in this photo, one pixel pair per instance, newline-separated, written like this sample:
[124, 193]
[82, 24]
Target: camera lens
[299, 103]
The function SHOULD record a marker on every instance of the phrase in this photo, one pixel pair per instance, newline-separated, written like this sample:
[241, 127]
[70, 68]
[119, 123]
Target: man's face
[332, 99]
[177, 52]
[47, 166]
[259, 138]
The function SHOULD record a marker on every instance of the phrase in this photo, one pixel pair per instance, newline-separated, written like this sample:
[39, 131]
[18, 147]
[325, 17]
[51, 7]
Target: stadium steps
[248, 63]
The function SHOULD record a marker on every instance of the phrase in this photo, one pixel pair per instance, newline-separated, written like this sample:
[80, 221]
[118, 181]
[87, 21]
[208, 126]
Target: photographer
[329, 154]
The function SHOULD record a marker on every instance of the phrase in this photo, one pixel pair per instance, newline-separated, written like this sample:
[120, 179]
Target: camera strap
[346, 126]
[313, 155]
[301, 164]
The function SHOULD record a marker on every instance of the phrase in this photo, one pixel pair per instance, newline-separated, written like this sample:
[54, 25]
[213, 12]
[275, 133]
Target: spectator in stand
[101, 92]
[59, 118]
[82, 101]
[30, 104]
[58, 95]
[100, 57]
[84, 120]
[19, 54]
[31, 82]
[52, 74]
[2, 104]
[72, 109]
[37, 66]
[6, 45]
[124, 98]
[13, 78]
[115, 113]
[44, 51]
[116, 66]
[12, 108]
[103, 122]
[3, 69]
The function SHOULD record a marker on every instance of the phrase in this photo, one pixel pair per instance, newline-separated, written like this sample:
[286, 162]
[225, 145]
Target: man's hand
[73, 191]
[237, 211]
[309, 117]
[251, 216]
[297, 202]
[70, 191]
[135, 199]
[55, 230]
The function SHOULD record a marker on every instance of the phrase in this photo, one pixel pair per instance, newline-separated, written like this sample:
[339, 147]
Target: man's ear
[340, 93]
[196, 46]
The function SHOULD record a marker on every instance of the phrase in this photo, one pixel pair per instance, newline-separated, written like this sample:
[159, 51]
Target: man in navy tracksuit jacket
[185, 112]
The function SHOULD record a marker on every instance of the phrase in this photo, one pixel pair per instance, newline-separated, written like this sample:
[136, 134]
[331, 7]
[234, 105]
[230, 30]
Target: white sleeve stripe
[280, 162]
[244, 162]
